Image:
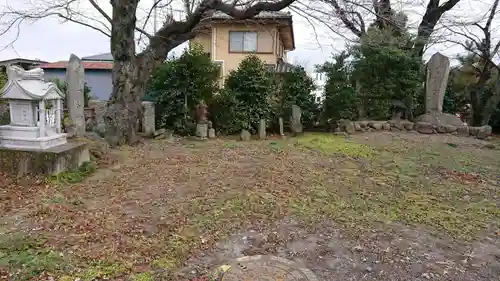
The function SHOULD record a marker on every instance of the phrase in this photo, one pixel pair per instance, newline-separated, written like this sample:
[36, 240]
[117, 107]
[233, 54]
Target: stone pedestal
[202, 131]
[20, 162]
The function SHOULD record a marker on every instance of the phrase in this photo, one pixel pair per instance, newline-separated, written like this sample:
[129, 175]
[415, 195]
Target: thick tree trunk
[125, 106]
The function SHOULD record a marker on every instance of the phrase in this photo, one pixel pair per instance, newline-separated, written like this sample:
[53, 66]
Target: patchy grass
[27, 257]
[74, 176]
[155, 212]
[333, 144]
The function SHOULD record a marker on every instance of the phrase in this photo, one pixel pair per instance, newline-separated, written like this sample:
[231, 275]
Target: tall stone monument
[438, 70]
[75, 77]
[296, 124]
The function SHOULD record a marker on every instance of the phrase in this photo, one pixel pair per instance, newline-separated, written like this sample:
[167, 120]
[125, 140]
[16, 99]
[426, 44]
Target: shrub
[245, 99]
[179, 85]
[63, 87]
[295, 87]
[340, 98]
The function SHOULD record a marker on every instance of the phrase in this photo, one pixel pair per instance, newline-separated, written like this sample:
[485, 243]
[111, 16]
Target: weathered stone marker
[148, 118]
[438, 70]
[282, 131]
[75, 77]
[202, 122]
[296, 124]
[262, 129]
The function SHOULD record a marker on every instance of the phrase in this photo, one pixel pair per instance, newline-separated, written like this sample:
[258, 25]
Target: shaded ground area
[378, 206]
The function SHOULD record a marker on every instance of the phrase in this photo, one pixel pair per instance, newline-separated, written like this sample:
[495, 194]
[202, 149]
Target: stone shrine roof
[28, 85]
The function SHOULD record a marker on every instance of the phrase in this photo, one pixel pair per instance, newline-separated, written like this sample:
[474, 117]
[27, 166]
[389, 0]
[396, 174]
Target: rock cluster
[351, 127]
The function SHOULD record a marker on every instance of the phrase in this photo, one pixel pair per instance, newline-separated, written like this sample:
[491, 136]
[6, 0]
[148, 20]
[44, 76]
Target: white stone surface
[35, 111]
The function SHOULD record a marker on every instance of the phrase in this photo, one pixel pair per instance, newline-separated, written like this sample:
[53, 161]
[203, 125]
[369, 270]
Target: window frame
[243, 41]
[242, 51]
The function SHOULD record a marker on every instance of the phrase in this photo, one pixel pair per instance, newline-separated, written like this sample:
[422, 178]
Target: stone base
[20, 162]
[28, 138]
[202, 131]
[437, 119]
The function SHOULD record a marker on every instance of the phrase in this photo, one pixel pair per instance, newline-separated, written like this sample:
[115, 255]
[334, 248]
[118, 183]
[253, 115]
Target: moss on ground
[359, 186]
[333, 144]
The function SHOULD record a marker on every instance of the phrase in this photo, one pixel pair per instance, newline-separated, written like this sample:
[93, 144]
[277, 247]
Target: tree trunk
[489, 107]
[124, 109]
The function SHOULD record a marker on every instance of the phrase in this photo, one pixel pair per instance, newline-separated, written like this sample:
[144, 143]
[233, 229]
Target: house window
[242, 41]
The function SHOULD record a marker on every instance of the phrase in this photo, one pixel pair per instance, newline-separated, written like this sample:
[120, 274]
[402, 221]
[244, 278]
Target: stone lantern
[35, 111]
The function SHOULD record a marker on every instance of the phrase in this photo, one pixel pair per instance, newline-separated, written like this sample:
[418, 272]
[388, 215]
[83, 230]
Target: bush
[388, 72]
[179, 85]
[295, 87]
[63, 87]
[245, 99]
[340, 94]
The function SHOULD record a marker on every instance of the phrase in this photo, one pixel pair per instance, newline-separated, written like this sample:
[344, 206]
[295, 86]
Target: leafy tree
[479, 68]
[295, 87]
[3, 79]
[245, 99]
[388, 72]
[63, 86]
[340, 95]
[179, 85]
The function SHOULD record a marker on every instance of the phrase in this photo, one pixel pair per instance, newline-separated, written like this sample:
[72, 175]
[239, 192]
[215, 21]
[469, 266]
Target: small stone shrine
[33, 142]
[35, 111]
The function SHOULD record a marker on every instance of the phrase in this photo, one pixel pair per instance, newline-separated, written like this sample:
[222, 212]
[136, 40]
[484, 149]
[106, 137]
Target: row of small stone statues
[205, 129]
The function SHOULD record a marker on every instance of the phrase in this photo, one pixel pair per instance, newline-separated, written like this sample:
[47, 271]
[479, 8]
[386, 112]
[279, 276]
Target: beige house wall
[216, 42]
[204, 39]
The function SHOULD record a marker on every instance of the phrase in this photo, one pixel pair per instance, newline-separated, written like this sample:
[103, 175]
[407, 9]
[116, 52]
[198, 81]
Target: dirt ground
[375, 206]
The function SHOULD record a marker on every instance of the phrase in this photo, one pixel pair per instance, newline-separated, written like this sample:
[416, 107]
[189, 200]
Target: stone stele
[75, 77]
[438, 70]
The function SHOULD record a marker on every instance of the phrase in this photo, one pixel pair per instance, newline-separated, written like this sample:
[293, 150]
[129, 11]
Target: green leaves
[179, 85]
[245, 99]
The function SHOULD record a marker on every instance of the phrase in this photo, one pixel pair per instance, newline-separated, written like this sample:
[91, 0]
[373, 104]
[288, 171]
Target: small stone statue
[201, 113]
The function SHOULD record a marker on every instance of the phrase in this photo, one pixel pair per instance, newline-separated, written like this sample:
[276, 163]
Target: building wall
[216, 42]
[99, 81]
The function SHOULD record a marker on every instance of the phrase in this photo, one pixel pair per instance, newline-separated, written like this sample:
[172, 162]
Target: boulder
[484, 132]
[349, 127]
[450, 128]
[424, 127]
[473, 131]
[386, 126]
[357, 127]
[463, 131]
[408, 125]
[98, 147]
[245, 135]
[439, 119]
[363, 124]
[440, 129]
[376, 125]
[397, 124]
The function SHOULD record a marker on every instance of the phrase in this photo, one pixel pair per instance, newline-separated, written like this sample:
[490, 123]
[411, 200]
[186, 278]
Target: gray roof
[261, 15]
[100, 57]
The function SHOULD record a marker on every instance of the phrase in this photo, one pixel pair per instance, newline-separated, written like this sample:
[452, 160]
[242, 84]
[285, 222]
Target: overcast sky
[50, 39]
